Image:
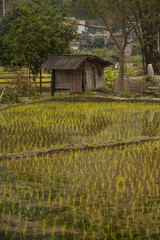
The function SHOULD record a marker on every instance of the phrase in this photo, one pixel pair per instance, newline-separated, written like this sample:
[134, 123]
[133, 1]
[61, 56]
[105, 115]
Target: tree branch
[2, 117]
[1, 95]
[106, 24]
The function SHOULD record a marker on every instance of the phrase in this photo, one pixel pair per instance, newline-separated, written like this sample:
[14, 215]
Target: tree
[148, 33]
[117, 14]
[33, 29]
[4, 7]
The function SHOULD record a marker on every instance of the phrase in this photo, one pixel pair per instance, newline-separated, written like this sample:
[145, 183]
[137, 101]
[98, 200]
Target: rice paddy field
[9, 77]
[50, 124]
[99, 193]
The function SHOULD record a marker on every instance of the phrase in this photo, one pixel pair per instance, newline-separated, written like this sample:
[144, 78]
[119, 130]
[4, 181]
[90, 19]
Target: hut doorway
[76, 81]
[93, 78]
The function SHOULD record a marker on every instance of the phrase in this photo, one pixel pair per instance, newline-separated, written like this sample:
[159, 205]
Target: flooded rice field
[102, 194]
[50, 124]
[112, 193]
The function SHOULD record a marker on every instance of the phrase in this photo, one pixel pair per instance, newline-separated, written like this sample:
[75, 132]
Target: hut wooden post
[40, 81]
[84, 83]
[53, 83]
[30, 81]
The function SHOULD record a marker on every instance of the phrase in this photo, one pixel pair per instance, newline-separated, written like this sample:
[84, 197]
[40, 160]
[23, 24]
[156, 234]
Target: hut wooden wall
[62, 80]
[69, 80]
[94, 75]
[72, 79]
[88, 74]
[99, 73]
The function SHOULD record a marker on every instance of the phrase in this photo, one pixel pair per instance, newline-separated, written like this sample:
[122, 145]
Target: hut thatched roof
[71, 62]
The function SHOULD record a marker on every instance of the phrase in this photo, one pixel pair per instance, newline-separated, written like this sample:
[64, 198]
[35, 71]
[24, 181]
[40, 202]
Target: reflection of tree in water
[151, 122]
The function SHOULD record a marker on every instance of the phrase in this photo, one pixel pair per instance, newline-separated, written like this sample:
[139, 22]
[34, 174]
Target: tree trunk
[149, 36]
[4, 7]
[143, 59]
[30, 81]
[35, 84]
[121, 72]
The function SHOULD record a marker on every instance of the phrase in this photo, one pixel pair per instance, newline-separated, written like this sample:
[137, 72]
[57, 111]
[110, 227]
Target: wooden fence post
[53, 83]
[40, 80]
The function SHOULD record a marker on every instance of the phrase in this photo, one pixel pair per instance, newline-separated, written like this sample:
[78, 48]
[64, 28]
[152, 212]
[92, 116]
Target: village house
[75, 73]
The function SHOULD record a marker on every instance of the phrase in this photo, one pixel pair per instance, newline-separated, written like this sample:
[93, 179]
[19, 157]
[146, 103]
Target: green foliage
[137, 62]
[33, 29]
[103, 53]
[109, 77]
[106, 54]
[98, 42]
[36, 96]
[10, 95]
[22, 85]
[126, 94]
[142, 81]
[136, 50]
[149, 79]
[130, 71]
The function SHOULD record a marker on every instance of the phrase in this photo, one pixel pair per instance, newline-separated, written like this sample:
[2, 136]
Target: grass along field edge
[79, 98]
[68, 148]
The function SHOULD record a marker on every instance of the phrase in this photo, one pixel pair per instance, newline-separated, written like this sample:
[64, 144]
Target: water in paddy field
[53, 124]
[112, 193]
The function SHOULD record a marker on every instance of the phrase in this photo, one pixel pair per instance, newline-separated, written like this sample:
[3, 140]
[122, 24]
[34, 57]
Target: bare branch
[2, 117]
[134, 26]
[107, 25]
[97, 2]
[1, 95]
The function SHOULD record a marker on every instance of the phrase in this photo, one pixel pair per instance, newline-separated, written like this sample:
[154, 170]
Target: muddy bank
[104, 99]
[83, 99]
[69, 148]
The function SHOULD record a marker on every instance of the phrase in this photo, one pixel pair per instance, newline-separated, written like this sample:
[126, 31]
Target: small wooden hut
[75, 73]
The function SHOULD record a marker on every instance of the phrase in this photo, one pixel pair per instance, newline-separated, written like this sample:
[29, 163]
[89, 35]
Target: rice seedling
[110, 193]
[50, 124]
[91, 194]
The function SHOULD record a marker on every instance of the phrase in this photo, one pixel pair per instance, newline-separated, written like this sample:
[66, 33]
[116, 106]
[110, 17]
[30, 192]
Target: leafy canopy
[32, 30]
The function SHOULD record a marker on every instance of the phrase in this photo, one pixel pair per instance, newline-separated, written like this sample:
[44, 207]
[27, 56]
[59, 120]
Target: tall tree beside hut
[33, 29]
[4, 7]
[148, 32]
[120, 15]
